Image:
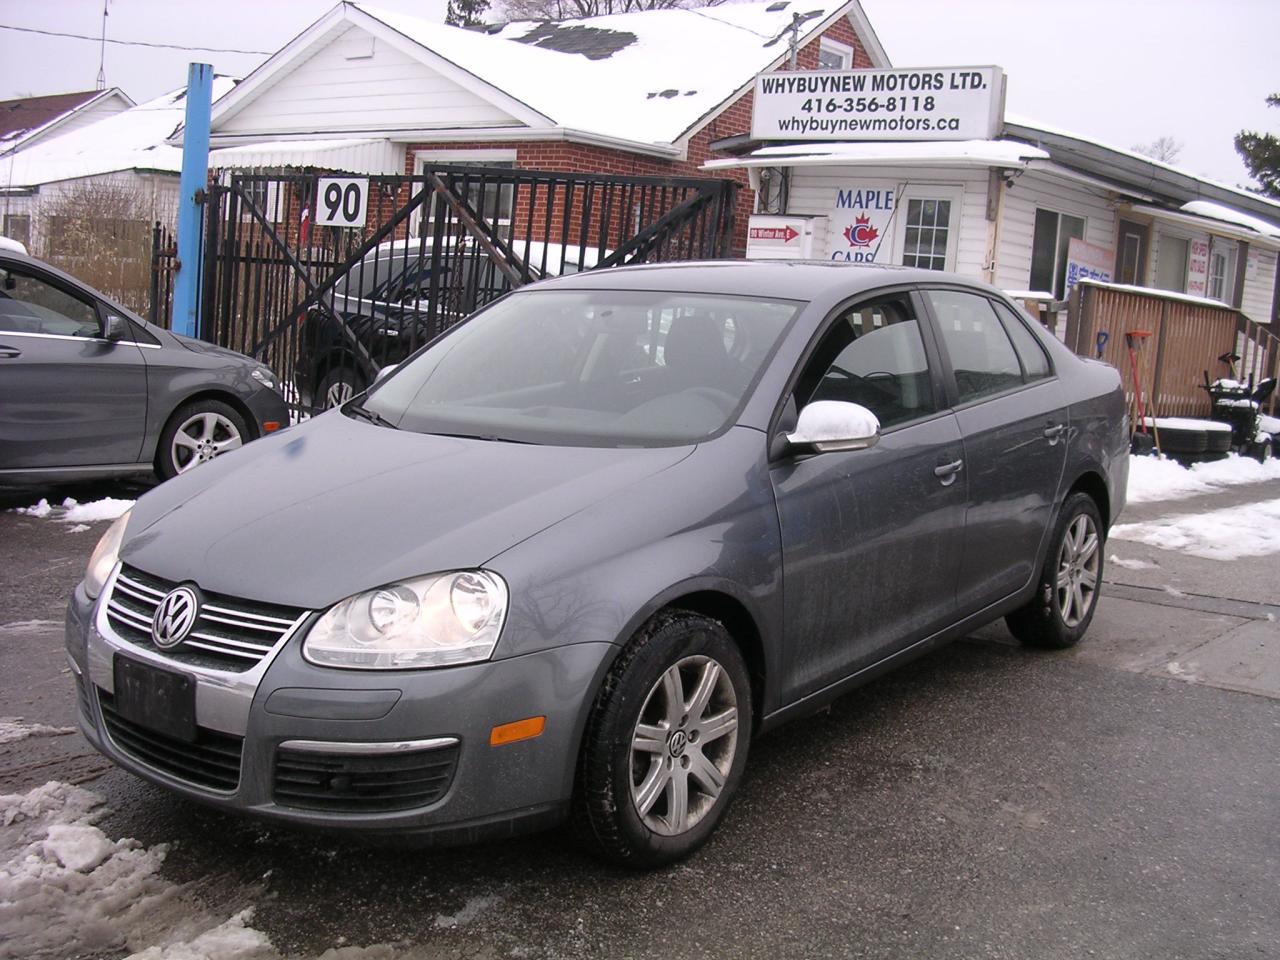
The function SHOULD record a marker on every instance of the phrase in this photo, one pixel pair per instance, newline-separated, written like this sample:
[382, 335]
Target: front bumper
[443, 714]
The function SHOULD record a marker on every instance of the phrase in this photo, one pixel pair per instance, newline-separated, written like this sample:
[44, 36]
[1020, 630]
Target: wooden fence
[1187, 337]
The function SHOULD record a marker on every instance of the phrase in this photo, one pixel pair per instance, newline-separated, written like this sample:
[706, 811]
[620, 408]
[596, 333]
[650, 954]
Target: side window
[1035, 364]
[981, 355]
[872, 355]
[31, 305]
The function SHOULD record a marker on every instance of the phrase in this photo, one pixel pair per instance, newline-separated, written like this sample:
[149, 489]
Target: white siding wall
[813, 191]
[1260, 290]
[342, 89]
[1017, 228]
[99, 111]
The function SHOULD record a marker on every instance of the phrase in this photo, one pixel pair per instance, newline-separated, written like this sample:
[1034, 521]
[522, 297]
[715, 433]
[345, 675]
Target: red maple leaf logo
[860, 233]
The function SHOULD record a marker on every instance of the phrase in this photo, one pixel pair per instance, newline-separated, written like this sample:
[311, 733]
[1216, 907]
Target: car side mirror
[828, 426]
[385, 372]
[113, 328]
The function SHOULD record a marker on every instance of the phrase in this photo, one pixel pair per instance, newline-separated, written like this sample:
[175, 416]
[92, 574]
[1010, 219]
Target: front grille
[213, 761]
[339, 783]
[230, 634]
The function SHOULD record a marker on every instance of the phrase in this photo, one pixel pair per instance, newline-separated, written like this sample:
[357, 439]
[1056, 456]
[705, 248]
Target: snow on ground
[72, 511]
[13, 729]
[1159, 478]
[67, 889]
[1248, 530]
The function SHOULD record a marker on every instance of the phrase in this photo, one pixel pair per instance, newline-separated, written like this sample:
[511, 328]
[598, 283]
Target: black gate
[326, 307]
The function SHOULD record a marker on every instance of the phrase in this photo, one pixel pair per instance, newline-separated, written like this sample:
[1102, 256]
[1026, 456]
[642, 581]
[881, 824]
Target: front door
[68, 397]
[870, 538]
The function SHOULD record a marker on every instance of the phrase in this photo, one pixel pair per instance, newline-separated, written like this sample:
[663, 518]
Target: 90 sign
[341, 202]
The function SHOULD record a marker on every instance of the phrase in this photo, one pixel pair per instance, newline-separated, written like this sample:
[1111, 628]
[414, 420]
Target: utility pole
[191, 197]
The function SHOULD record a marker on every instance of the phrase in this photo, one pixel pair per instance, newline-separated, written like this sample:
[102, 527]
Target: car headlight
[103, 559]
[264, 377]
[432, 621]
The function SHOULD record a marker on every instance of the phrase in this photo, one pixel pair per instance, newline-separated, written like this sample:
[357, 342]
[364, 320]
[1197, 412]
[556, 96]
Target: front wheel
[197, 433]
[665, 743]
[1066, 596]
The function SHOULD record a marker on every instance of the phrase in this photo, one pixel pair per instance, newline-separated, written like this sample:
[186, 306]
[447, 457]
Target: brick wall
[735, 119]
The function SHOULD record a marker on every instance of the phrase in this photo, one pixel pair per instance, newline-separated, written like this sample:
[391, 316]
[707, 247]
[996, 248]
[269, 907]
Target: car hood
[336, 506]
[211, 349]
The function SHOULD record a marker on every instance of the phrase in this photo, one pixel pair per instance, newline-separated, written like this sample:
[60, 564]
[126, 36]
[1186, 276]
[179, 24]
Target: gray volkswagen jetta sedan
[572, 557]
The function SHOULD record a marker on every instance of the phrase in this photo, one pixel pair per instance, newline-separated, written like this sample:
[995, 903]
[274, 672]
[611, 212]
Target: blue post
[195, 179]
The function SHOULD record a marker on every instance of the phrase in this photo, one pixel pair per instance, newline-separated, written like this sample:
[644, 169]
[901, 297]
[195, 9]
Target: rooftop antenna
[792, 32]
[102, 50]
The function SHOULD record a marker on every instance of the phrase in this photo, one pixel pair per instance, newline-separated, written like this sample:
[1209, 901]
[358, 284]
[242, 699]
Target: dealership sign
[929, 103]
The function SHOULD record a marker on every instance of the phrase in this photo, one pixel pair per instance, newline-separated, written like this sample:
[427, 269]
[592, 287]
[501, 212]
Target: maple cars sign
[860, 219]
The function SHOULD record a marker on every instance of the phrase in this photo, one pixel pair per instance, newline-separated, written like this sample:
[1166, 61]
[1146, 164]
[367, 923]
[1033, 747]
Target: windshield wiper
[492, 438]
[364, 413]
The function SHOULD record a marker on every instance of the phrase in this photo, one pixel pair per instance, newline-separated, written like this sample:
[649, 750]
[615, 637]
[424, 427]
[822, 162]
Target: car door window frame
[948, 372]
[99, 308]
[941, 399]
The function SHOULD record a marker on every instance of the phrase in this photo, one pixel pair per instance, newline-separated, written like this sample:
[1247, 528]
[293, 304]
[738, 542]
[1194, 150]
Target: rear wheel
[196, 433]
[665, 744]
[1067, 593]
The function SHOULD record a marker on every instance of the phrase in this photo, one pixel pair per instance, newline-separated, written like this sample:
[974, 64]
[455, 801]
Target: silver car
[570, 559]
[90, 389]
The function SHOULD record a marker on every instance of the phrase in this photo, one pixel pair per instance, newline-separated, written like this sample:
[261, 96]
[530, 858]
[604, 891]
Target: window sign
[1198, 268]
[1088, 261]
[930, 103]
[860, 219]
[341, 201]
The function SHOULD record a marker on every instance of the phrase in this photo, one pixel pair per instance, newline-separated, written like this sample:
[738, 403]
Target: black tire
[211, 427]
[1044, 622]
[1173, 440]
[1261, 450]
[1217, 441]
[606, 814]
[338, 385]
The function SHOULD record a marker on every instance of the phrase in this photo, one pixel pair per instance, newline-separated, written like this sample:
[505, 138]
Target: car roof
[783, 279]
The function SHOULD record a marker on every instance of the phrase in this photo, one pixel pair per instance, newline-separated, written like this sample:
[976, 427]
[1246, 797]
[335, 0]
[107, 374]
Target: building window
[494, 202]
[1221, 272]
[928, 230]
[17, 226]
[1132, 260]
[833, 55]
[1053, 233]
[1171, 264]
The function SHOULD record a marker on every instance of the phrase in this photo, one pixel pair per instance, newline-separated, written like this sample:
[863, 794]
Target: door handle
[946, 472]
[1054, 431]
[8, 353]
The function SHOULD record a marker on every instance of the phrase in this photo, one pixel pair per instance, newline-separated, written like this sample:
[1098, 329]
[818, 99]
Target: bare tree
[1165, 149]
[100, 232]
[573, 9]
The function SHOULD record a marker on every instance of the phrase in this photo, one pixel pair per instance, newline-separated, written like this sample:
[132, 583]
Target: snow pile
[13, 729]
[72, 511]
[1159, 478]
[1250, 530]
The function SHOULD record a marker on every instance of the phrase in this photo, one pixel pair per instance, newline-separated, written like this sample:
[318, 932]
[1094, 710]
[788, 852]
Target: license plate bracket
[160, 700]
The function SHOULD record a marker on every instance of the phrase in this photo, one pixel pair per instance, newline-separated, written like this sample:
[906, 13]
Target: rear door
[1012, 414]
[68, 397]
[870, 538]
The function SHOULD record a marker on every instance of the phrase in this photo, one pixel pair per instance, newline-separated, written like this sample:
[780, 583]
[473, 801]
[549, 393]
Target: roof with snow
[647, 77]
[133, 139]
[27, 119]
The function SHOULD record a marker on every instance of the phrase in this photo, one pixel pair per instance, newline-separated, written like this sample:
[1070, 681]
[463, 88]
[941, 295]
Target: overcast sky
[1121, 71]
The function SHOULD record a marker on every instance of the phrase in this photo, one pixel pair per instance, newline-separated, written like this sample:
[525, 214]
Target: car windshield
[589, 367]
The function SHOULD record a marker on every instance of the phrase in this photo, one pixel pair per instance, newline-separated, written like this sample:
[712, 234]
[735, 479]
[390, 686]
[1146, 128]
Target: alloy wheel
[683, 745]
[202, 437]
[1077, 584]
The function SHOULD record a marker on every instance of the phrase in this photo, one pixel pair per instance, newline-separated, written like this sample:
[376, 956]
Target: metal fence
[164, 264]
[328, 306]
[1186, 340]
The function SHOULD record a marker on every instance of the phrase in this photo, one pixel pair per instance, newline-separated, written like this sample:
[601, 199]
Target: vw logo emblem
[679, 740]
[175, 617]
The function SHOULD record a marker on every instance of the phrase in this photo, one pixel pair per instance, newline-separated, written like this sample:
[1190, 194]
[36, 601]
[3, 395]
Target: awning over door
[368, 156]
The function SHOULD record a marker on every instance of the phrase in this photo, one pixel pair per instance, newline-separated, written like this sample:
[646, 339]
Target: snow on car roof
[644, 77]
[133, 139]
